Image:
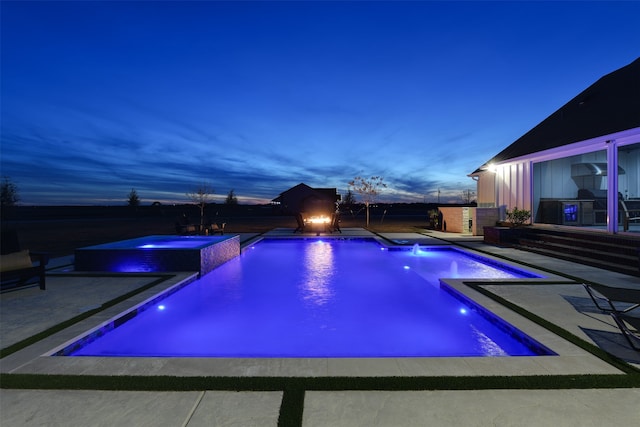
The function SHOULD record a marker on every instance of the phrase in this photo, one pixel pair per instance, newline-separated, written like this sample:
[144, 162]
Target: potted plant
[509, 231]
[517, 217]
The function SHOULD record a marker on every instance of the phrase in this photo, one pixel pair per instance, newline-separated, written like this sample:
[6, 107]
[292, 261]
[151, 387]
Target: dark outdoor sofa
[20, 267]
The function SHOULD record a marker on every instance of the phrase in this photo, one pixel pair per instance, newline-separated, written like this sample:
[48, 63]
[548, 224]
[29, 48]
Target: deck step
[610, 252]
[587, 244]
[620, 268]
[602, 253]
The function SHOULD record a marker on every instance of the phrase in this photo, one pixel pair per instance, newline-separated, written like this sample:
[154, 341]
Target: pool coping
[570, 359]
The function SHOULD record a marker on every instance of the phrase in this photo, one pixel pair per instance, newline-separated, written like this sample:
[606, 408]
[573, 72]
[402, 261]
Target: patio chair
[629, 214]
[217, 229]
[335, 223]
[300, 221]
[17, 266]
[623, 321]
[612, 295]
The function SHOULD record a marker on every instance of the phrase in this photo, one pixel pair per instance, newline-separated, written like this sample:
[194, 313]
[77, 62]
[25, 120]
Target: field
[60, 231]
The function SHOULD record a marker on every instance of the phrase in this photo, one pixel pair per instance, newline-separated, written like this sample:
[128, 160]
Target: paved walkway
[556, 298]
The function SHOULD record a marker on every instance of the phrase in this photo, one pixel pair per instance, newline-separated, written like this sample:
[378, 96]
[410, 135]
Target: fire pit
[317, 223]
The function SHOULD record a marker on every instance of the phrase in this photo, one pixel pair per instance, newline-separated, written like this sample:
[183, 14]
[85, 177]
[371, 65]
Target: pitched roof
[328, 193]
[611, 104]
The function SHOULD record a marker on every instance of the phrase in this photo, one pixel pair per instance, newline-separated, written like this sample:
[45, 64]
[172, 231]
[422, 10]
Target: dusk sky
[98, 98]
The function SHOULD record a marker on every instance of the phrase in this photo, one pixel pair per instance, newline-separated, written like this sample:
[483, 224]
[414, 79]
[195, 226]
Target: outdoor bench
[17, 269]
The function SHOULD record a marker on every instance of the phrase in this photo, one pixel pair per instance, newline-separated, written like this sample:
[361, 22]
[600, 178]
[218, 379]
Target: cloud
[258, 97]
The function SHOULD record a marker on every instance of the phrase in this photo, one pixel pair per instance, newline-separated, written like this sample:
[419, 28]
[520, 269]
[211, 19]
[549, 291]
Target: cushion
[15, 261]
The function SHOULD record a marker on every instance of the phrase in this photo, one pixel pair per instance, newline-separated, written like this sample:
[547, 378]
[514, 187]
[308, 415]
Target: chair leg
[595, 299]
[629, 336]
[42, 280]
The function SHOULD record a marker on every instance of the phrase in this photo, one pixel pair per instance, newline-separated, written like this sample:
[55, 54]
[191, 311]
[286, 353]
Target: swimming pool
[319, 298]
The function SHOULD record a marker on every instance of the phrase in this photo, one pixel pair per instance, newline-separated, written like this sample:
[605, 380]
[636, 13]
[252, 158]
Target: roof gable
[611, 104]
[304, 191]
[302, 187]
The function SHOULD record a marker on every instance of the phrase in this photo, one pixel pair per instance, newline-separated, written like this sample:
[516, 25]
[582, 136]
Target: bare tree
[368, 189]
[467, 196]
[348, 199]
[9, 196]
[200, 197]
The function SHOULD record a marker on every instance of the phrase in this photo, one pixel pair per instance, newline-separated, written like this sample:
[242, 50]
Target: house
[302, 198]
[580, 167]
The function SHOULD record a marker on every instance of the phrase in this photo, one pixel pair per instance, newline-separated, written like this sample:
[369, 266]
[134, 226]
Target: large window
[629, 188]
[571, 190]
[575, 190]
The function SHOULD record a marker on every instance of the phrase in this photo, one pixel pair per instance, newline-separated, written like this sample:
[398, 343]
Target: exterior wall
[303, 198]
[484, 217]
[291, 201]
[511, 187]
[457, 218]
[486, 190]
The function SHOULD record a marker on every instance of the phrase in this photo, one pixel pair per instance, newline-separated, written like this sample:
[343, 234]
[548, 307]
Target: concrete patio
[558, 298]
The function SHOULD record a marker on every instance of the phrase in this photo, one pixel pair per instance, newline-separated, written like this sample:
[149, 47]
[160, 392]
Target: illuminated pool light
[463, 311]
[161, 307]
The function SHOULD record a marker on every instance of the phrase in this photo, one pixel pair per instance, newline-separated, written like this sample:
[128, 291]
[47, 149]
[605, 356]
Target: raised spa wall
[136, 260]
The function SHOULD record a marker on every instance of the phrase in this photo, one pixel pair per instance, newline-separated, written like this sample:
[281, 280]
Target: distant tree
[349, 198]
[467, 196]
[132, 199]
[9, 193]
[368, 189]
[231, 198]
[200, 197]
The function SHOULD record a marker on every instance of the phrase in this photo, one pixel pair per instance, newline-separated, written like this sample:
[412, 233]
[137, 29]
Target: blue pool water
[314, 298]
[162, 242]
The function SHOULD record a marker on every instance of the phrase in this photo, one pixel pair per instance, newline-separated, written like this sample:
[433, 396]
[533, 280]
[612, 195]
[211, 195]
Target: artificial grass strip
[63, 325]
[292, 407]
[596, 351]
[295, 386]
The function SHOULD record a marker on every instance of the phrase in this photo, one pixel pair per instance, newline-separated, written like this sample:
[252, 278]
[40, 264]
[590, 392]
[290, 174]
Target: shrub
[517, 217]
